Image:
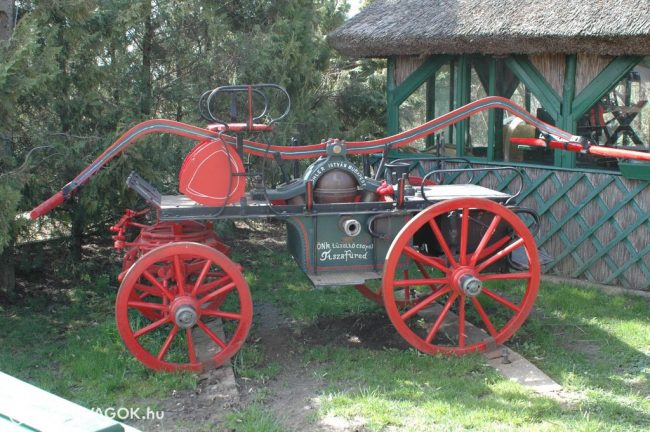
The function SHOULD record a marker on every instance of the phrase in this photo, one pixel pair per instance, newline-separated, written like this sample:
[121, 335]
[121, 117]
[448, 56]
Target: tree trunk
[7, 272]
[147, 50]
[6, 19]
[76, 233]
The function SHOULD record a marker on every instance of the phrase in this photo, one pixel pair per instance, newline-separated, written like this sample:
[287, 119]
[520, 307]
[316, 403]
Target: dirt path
[291, 396]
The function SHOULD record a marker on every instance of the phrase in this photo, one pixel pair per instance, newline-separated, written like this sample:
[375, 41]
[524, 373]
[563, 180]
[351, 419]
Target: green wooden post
[392, 107]
[567, 122]
[492, 88]
[431, 106]
[452, 86]
[461, 97]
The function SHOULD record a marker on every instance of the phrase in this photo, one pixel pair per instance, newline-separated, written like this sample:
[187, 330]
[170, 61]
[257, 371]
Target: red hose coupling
[120, 241]
[385, 189]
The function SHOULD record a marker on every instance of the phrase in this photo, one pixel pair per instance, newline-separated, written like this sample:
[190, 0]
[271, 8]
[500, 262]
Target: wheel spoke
[157, 284]
[147, 305]
[222, 314]
[500, 254]
[489, 250]
[212, 285]
[148, 290]
[502, 300]
[190, 346]
[411, 282]
[180, 274]
[484, 317]
[485, 239]
[461, 322]
[425, 273]
[199, 280]
[217, 293]
[424, 303]
[168, 343]
[154, 325]
[506, 276]
[411, 252]
[407, 288]
[442, 242]
[216, 339]
[441, 318]
[464, 235]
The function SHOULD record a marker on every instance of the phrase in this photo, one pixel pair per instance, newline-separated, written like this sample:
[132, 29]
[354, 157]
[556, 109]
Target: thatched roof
[411, 27]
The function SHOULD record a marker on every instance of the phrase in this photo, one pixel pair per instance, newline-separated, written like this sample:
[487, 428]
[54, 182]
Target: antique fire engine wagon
[450, 258]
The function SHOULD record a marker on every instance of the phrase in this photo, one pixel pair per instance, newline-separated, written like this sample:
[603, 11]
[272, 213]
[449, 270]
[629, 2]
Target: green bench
[24, 407]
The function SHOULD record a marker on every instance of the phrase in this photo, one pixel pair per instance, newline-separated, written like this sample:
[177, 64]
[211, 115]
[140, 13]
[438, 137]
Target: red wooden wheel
[457, 252]
[163, 298]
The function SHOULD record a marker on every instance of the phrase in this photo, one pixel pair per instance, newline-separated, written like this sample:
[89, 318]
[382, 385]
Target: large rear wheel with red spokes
[177, 294]
[453, 258]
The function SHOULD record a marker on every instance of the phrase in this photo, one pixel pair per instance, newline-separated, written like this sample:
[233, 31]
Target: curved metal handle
[534, 228]
[264, 91]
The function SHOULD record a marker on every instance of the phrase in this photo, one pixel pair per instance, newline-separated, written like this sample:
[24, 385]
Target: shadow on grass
[61, 336]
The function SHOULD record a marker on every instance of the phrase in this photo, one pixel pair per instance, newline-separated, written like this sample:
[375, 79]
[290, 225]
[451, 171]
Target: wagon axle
[465, 281]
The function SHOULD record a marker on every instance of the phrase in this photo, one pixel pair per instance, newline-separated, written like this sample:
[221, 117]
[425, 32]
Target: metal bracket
[143, 188]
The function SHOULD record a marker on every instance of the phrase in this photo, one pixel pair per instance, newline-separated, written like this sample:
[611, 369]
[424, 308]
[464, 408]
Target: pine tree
[79, 73]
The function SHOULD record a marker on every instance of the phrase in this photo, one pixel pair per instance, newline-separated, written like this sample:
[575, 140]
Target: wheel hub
[471, 285]
[184, 313]
[466, 282]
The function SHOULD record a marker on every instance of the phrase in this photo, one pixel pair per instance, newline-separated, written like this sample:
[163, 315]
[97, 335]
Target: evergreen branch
[26, 161]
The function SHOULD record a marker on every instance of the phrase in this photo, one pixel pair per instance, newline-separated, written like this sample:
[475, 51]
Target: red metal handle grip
[528, 141]
[619, 153]
[576, 147]
[46, 206]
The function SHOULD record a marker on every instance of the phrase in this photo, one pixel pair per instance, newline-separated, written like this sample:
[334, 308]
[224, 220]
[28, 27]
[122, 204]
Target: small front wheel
[172, 296]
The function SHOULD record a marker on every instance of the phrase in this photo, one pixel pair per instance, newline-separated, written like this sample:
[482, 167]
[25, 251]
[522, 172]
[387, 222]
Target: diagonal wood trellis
[596, 226]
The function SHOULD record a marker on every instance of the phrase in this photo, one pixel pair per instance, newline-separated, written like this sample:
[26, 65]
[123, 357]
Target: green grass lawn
[67, 343]
[595, 345]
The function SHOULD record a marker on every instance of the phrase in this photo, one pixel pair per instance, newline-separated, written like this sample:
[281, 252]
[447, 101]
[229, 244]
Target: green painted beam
[431, 106]
[452, 86]
[419, 77]
[604, 82]
[567, 159]
[392, 107]
[577, 207]
[599, 254]
[622, 269]
[461, 97]
[526, 72]
[491, 91]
